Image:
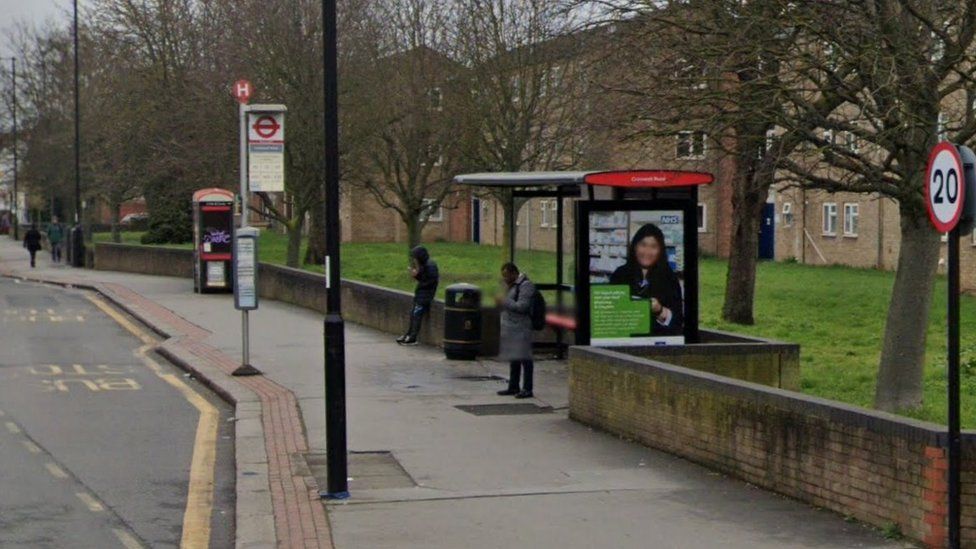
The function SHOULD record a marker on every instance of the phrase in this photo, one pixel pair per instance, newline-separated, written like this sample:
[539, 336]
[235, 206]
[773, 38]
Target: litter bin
[462, 321]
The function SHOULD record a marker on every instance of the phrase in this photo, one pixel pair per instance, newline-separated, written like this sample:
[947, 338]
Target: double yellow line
[199, 497]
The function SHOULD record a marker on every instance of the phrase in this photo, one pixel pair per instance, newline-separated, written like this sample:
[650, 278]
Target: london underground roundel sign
[945, 186]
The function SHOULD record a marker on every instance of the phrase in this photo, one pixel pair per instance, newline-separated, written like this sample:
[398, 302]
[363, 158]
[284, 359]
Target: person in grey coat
[515, 341]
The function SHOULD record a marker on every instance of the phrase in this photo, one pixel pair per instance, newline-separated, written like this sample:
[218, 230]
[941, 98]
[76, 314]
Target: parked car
[134, 219]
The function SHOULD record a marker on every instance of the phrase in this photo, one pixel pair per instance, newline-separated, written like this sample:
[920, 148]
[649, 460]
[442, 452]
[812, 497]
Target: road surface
[99, 436]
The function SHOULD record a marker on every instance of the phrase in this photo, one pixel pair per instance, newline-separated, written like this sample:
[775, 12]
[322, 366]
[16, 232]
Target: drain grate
[367, 470]
[481, 378]
[517, 409]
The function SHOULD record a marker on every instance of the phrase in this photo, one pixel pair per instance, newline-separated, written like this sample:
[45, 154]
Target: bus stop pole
[245, 369]
[334, 332]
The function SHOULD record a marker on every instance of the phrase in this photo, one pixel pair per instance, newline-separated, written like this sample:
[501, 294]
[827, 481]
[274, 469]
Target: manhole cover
[367, 470]
[516, 409]
[31, 301]
[480, 378]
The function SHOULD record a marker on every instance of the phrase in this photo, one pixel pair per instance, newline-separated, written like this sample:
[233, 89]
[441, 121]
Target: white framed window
[691, 145]
[435, 153]
[788, 214]
[830, 219]
[550, 214]
[852, 143]
[435, 99]
[851, 215]
[433, 211]
[828, 136]
[702, 217]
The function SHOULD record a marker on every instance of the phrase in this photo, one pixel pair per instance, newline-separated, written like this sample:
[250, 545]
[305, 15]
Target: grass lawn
[836, 314]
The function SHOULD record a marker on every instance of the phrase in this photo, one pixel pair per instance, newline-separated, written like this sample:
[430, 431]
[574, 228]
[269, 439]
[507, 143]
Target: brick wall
[878, 468]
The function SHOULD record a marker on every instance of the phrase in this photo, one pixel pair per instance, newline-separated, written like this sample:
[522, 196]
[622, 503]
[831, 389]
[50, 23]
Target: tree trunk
[509, 216]
[294, 228]
[116, 215]
[315, 254]
[903, 353]
[415, 231]
[740, 279]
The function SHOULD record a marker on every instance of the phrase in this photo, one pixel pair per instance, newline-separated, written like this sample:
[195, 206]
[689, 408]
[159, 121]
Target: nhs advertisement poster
[636, 268]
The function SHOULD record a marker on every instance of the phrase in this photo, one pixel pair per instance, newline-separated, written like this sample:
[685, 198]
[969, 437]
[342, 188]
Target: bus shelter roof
[522, 179]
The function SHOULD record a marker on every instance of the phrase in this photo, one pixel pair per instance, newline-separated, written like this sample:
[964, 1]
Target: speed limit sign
[945, 186]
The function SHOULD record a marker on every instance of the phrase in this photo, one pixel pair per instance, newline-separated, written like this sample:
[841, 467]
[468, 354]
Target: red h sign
[242, 91]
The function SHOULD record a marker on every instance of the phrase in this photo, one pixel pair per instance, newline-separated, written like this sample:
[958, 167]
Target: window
[852, 142]
[432, 211]
[788, 214]
[435, 98]
[830, 219]
[550, 214]
[828, 136]
[691, 145]
[435, 152]
[767, 144]
[851, 214]
[702, 218]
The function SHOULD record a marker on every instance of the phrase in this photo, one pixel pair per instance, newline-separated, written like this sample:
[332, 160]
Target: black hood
[420, 254]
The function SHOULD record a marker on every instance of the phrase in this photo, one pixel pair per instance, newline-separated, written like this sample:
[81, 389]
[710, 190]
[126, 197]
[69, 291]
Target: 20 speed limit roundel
[945, 186]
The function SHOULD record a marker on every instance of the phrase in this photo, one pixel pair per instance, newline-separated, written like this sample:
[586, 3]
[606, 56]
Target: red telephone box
[213, 240]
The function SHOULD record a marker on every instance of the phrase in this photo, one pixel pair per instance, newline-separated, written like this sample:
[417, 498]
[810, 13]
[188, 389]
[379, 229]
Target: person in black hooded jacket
[424, 271]
[650, 277]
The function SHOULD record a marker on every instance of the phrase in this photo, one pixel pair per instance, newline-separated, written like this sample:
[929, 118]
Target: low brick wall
[152, 260]
[374, 306]
[878, 468]
[754, 359]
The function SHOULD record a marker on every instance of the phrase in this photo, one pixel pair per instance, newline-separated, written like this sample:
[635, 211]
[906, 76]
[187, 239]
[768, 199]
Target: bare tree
[527, 77]
[904, 72]
[408, 122]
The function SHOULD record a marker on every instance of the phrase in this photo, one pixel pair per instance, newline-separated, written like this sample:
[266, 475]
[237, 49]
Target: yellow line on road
[12, 427]
[55, 471]
[31, 447]
[199, 497]
[90, 502]
[127, 540]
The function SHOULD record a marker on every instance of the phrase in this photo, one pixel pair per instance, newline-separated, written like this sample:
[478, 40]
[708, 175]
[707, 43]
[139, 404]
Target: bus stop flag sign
[945, 186]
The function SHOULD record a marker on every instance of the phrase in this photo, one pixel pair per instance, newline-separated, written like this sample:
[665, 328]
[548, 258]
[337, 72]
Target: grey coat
[516, 323]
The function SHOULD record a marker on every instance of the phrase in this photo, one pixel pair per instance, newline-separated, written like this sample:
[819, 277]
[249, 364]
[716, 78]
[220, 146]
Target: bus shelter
[635, 250]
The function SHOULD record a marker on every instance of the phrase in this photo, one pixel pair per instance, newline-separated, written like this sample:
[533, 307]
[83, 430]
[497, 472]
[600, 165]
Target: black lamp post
[335, 353]
[77, 233]
[13, 93]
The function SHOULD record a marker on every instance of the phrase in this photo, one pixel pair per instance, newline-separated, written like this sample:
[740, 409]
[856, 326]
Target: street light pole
[335, 353]
[77, 122]
[77, 233]
[15, 206]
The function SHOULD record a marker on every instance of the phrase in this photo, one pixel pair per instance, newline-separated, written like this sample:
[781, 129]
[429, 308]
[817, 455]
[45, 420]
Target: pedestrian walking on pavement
[424, 270]
[55, 234]
[32, 241]
[515, 341]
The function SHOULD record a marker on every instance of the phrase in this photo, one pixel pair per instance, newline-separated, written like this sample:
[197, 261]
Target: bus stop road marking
[12, 427]
[126, 539]
[90, 502]
[56, 472]
[199, 498]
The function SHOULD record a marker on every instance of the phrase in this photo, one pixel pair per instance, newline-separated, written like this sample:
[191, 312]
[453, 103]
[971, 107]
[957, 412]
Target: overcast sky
[30, 11]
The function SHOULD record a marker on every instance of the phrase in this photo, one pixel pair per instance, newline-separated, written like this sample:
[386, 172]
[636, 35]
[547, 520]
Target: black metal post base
[335, 408]
[246, 370]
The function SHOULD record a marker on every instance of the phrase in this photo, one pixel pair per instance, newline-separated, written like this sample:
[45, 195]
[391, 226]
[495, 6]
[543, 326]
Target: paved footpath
[426, 473]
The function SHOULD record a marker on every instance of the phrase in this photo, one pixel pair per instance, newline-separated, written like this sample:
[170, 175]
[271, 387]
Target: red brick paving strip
[300, 519]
